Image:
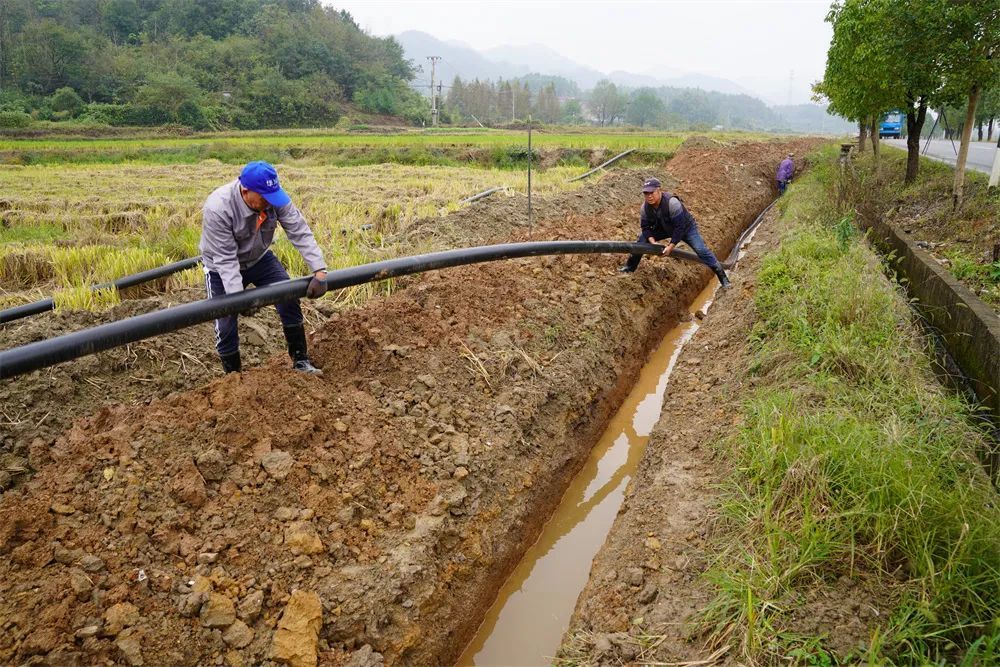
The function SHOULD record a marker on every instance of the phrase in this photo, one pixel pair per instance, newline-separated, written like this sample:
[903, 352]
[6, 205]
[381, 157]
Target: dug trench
[378, 509]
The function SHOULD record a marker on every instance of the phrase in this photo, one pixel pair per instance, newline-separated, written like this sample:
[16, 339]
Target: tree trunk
[963, 148]
[862, 135]
[989, 131]
[875, 143]
[914, 127]
[980, 128]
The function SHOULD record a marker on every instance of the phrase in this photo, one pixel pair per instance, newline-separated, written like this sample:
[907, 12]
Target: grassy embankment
[501, 148]
[963, 240]
[856, 478]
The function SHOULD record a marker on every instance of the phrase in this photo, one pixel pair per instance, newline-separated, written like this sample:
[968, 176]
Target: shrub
[14, 119]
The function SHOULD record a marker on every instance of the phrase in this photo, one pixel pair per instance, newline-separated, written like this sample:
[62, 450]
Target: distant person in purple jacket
[785, 171]
[664, 216]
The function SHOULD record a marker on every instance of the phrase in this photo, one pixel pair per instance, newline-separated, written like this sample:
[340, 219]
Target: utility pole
[434, 106]
[512, 95]
[529, 175]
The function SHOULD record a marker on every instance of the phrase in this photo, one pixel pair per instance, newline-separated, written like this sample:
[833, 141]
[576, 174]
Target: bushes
[126, 114]
[14, 119]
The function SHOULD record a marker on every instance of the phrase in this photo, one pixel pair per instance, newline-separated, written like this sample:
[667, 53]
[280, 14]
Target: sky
[768, 46]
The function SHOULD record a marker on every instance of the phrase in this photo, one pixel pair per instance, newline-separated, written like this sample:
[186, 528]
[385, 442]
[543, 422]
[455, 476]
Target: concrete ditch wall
[969, 327]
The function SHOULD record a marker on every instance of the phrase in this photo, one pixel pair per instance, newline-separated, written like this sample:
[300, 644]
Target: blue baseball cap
[261, 177]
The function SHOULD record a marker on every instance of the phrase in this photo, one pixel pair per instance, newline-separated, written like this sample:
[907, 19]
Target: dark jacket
[661, 222]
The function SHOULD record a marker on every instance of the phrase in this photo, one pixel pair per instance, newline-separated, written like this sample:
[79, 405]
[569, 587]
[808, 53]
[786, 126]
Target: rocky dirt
[366, 516]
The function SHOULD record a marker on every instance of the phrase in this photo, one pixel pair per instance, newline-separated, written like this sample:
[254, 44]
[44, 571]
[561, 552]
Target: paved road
[980, 152]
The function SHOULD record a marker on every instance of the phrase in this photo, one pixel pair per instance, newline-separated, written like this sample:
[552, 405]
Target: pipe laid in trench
[482, 195]
[601, 166]
[42, 354]
[45, 305]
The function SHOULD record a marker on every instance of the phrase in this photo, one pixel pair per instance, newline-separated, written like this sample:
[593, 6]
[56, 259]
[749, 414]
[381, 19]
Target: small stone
[80, 583]
[91, 563]
[286, 514]
[119, 617]
[87, 631]
[277, 463]
[307, 514]
[207, 557]
[298, 630]
[238, 635]
[653, 543]
[365, 657]
[218, 611]
[461, 472]
[190, 604]
[301, 538]
[188, 486]
[65, 510]
[251, 605]
[340, 426]
[211, 465]
[303, 562]
[635, 576]
[131, 649]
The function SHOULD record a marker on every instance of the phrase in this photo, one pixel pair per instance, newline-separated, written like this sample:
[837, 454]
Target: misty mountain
[510, 61]
[540, 58]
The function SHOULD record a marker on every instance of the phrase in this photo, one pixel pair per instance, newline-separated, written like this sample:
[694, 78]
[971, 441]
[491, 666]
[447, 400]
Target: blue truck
[891, 126]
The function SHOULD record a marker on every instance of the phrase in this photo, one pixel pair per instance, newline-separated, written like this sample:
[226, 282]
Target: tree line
[913, 55]
[554, 100]
[225, 63]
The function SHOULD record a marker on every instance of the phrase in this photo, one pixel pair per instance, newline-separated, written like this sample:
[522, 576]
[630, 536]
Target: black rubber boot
[296, 337]
[723, 278]
[631, 265]
[231, 362]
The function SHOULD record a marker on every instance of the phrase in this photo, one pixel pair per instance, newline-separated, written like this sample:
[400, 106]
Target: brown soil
[400, 487]
[646, 584]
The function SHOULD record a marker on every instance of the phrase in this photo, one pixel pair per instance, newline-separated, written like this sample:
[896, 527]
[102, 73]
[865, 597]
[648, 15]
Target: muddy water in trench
[525, 625]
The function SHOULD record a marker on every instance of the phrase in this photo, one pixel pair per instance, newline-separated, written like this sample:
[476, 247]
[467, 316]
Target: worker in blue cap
[238, 224]
[664, 216]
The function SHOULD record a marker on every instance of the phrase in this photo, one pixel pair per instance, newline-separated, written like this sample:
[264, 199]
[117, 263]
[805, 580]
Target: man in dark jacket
[785, 170]
[238, 224]
[664, 216]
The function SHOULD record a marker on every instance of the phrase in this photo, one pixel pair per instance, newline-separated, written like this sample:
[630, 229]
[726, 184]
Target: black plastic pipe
[45, 305]
[41, 354]
[735, 253]
[601, 166]
[482, 195]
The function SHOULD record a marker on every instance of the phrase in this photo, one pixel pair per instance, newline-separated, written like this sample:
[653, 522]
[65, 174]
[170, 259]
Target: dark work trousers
[782, 185]
[693, 239]
[266, 271]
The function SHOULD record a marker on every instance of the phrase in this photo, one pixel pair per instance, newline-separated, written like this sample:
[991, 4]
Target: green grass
[497, 148]
[983, 278]
[965, 237]
[852, 463]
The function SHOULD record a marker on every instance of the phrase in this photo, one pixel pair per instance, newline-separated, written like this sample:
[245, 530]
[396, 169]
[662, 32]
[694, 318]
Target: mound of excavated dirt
[270, 516]
[700, 142]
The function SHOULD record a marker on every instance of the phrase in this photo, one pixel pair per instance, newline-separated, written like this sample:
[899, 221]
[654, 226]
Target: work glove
[317, 288]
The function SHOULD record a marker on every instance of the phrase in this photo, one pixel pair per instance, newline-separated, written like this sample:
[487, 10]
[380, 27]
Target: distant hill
[509, 61]
[207, 65]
